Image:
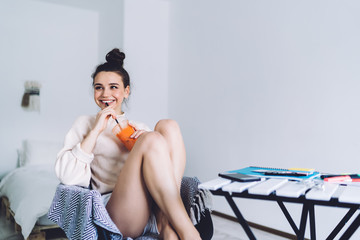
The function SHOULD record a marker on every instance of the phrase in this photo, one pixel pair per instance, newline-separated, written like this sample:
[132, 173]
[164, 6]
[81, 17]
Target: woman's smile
[109, 102]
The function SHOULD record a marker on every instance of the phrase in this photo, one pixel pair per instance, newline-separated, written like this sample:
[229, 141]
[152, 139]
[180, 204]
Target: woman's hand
[102, 119]
[137, 132]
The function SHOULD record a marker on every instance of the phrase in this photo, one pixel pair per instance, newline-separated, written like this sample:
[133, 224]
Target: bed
[27, 191]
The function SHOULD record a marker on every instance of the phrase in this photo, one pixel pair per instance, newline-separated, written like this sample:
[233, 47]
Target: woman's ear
[127, 91]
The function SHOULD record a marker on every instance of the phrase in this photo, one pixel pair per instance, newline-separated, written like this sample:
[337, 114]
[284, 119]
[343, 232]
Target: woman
[138, 185]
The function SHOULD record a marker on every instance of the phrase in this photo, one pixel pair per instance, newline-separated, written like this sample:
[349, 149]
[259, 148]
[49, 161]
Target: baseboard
[258, 226]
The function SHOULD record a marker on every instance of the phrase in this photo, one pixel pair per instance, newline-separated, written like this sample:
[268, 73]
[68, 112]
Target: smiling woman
[141, 186]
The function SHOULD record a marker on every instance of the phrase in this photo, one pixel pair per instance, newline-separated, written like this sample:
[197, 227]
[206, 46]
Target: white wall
[146, 40]
[57, 46]
[273, 83]
[110, 21]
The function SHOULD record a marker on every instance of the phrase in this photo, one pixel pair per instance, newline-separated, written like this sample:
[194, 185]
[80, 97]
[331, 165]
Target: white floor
[223, 229]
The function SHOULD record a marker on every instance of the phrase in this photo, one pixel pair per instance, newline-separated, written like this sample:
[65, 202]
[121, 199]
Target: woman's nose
[106, 92]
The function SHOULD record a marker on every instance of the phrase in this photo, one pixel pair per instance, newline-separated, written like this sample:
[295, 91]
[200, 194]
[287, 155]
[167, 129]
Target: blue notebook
[277, 173]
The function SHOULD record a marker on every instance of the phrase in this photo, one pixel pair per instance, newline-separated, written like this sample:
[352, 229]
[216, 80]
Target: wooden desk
[307, 210]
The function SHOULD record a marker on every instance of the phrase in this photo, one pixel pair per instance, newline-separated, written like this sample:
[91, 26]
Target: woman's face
[109, 88]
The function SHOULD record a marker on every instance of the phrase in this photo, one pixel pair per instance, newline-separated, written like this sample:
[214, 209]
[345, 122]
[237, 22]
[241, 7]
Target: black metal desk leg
[288, 217]
[342, 223]
[303, 219]
[240, 217]
[352, 228]
[312, 222]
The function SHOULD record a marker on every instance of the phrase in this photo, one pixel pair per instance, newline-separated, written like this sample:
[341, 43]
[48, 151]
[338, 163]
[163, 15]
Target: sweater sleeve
[72, 165]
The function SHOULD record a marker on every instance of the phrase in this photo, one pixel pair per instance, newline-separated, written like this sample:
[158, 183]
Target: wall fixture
[31, 97]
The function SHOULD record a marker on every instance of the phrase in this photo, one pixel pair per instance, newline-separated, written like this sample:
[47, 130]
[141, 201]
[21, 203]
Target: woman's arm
[72, 165]
[73, 162]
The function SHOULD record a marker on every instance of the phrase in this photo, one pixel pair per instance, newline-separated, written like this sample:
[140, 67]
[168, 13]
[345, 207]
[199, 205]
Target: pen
[281, 173]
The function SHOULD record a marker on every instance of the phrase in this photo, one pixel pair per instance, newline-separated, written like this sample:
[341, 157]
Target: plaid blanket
[81, 213]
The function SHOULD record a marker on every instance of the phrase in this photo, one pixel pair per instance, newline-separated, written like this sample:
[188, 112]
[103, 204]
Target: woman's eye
[98, 88]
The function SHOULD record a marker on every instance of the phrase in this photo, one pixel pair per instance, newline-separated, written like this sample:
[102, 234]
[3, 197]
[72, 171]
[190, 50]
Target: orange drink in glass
[123, 131]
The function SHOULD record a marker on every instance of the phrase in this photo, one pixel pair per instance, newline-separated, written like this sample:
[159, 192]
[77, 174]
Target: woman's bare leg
[172, 134]
[148, 174]
[130, 203]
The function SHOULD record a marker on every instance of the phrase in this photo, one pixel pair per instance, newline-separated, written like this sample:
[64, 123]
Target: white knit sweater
[101, 168]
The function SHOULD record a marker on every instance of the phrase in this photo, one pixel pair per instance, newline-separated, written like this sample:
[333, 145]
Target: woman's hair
[114, 63]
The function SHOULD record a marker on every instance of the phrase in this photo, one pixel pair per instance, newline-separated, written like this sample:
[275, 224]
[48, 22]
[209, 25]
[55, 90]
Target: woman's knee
[168, 125]
[154, 141]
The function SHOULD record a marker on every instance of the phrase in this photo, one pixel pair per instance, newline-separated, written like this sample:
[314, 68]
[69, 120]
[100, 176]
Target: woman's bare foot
[164, 227]
[167, 232]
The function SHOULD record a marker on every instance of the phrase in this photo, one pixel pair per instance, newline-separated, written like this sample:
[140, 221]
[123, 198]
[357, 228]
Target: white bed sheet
[30, 191]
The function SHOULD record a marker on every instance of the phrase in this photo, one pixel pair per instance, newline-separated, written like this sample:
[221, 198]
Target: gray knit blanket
[81, 213]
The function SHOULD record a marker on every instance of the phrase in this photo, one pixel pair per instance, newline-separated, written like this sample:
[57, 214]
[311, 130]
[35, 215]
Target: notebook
[261, 172]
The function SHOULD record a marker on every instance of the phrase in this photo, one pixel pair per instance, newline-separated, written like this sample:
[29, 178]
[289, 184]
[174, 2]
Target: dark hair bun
[115, 57]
